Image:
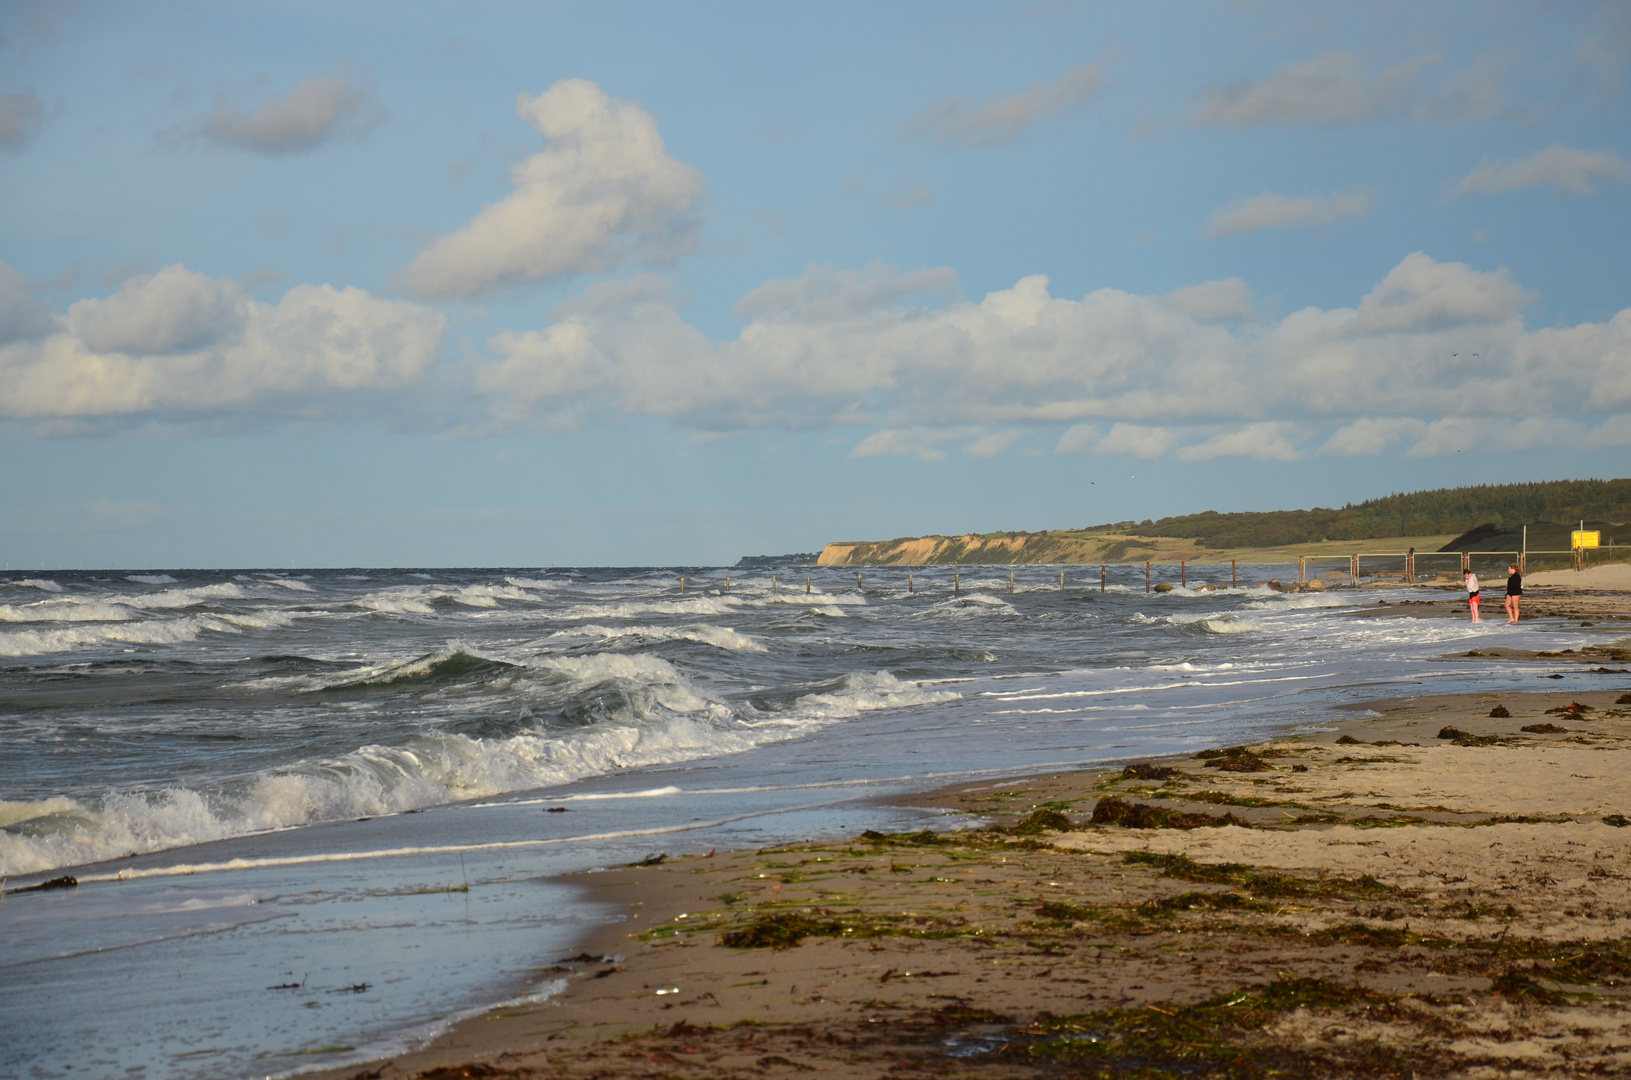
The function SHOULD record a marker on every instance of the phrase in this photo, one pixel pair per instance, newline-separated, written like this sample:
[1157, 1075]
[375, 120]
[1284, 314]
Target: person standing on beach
[1472, 594]
[1514, 591]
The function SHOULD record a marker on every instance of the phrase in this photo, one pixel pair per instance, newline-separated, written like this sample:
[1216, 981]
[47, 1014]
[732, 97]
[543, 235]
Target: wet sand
[1385, 898]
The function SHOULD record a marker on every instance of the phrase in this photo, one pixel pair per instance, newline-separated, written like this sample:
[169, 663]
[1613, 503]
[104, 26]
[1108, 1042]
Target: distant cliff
[1055, 546]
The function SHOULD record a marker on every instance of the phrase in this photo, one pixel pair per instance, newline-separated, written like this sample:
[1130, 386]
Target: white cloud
[20, 115]
[602, 193]
[1077, 439]
[1457, 434]
[1136, 440]
[919, 442]
[1268, 441]
[311, 114]
[1224, 300]
[990, 446]
[1566, 170]
[902, 351]
[180, 342]
[22, 314]
[1422, 293]
[1271, 211]
[1371, 435]
[955, 125]
[1328, 90]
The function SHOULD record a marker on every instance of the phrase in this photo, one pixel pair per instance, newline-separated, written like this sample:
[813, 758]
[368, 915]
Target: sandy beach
[1425, 889]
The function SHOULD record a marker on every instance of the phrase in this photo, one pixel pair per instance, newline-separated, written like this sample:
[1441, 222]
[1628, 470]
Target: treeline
[1420, 513]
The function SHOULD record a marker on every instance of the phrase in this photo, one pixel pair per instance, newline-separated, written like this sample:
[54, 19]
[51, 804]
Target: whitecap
[151, 579]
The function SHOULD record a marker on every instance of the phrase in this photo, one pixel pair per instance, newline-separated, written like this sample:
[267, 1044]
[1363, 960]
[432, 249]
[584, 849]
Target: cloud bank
[1271, 211]
[954, 125]
[1188, 374]
[1565, 170]
[314, 112]
[179, 343]
[603, 193]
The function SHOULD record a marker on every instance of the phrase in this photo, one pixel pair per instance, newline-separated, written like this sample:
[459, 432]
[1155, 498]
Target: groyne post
[1356, 571]
[1301, 571]
[1010, 583]
[1183, 573]
[806, 582]
[727, 586]
[1146, 577]
[1061, 581]
[772, 584]
[1101, 577]
[1231, 573]
[956, 583]
[857, 582]
[909, 586]
[682, 586]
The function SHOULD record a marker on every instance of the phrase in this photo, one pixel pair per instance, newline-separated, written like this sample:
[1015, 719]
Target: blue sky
[630, 283]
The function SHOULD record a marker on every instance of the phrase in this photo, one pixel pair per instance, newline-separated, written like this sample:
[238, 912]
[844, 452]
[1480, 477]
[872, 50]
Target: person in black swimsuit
[1514, 592]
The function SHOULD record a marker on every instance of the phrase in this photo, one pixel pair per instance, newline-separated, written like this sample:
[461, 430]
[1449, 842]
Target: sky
[617, 283]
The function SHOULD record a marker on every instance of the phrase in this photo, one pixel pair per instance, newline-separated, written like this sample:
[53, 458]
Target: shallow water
[198, 749]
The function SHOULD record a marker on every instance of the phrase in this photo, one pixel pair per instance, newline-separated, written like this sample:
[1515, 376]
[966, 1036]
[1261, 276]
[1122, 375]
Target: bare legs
[1472, 602]
[1512, 609]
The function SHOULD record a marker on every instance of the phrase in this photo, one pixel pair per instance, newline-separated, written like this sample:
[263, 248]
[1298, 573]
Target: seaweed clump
[1114, 810]
[1040, 821]
[1235, 759]
[1146, 771]
[1257, 882]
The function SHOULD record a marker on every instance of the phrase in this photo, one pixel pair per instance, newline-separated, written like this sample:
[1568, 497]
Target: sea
[315, 817]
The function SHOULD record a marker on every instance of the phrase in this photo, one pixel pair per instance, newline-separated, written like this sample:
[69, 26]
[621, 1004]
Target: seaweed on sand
[1261, 883]
[1225, 1036]
[1114, 810]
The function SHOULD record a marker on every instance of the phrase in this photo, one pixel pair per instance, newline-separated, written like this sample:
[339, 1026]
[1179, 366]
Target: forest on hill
[1506, 507]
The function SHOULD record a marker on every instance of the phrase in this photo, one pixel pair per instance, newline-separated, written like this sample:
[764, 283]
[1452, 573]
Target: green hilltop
[1506, 507]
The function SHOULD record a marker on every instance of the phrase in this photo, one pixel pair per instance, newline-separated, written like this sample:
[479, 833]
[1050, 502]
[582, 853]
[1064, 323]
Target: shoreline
[974, 948]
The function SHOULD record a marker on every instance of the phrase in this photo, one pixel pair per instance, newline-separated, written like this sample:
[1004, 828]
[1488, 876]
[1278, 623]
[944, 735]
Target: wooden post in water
[956, 582]
[1231, 573]
[1356, 571]
[727, 585]
[682, 586]
[1101, 577]
[857, 582]
[1183, 573]
[1061, 581]
[1300, 568]
[909, 585]
[1146, 577]
[1010, 583]
[806, 582]
[772, 584]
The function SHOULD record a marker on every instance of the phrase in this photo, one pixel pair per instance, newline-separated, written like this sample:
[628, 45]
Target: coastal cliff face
[1017, 548]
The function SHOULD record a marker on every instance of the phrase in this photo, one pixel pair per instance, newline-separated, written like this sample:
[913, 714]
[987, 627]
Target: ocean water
[310, 812]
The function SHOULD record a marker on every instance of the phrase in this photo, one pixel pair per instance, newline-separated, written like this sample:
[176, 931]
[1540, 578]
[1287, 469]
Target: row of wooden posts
[1409, 557]
[957, 579]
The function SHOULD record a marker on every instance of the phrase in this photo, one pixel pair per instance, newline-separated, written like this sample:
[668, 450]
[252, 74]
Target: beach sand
[1385, 898]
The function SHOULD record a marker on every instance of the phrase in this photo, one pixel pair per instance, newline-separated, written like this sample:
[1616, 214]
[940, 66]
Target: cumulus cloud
[1328, 90]
[919, 442]
[179, 342]
[20, 115]
[1267, 441]
[23, 316]
[1212, 301]
[955, 125]
[1565, 170]
[994, 445]
[604, 192]
[312, 113]
[1271, 211]
[1176, 375]
[1371, 435]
